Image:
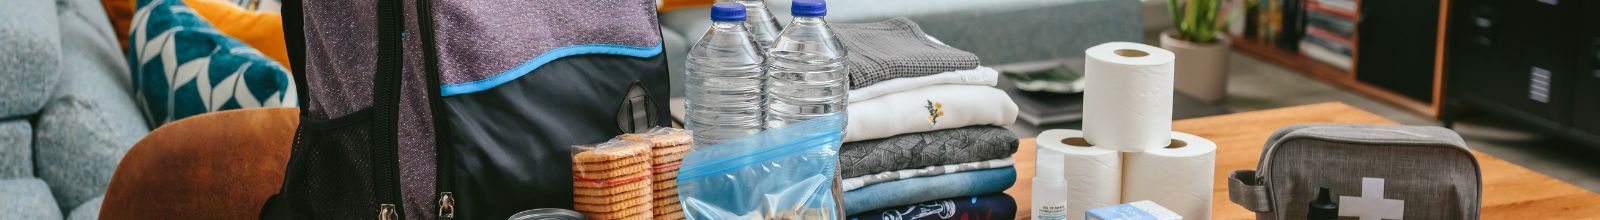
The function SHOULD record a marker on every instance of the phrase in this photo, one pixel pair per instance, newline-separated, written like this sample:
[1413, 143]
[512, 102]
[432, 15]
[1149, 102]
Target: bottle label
[1056, 211]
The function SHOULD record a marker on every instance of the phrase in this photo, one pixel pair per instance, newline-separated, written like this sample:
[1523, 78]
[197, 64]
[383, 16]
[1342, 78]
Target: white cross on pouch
[1371, 205]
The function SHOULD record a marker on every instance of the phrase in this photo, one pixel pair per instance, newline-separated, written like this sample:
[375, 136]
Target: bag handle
[295, 38]
[1244, 189]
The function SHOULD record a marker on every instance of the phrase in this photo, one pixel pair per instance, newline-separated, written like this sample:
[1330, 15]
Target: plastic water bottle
[726, 78]
[760, 22]
[806, 76]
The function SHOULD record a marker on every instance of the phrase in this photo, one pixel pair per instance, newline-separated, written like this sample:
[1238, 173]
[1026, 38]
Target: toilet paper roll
[1127, 96]
[1094, 175]
[1178, 176]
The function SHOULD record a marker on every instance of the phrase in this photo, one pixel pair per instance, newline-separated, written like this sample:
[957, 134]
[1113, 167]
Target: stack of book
[1278, 23]
[1330, 28]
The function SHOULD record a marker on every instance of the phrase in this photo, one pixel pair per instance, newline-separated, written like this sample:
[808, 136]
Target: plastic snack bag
[785, 173]
[611, 180]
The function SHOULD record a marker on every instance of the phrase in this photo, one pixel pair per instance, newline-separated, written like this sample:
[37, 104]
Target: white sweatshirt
[927, 109]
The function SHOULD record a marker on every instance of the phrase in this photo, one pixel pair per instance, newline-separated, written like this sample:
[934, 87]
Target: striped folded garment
[896, 48]
[854, 183]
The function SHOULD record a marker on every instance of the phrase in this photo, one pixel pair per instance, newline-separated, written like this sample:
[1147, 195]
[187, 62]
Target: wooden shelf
[1334, 75]
[1291, 60]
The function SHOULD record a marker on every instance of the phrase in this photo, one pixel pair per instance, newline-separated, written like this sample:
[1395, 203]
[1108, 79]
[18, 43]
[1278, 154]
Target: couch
[998, 31]
[67, 112]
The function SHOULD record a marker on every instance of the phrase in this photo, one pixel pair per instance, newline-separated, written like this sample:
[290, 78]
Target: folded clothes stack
[912, 168]
[924, 127]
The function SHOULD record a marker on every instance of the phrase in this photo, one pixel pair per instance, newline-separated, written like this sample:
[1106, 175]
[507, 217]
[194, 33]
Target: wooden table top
[1509, 191]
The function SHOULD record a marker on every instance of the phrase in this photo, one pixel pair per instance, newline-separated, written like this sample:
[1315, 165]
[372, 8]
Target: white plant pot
[1201, 69]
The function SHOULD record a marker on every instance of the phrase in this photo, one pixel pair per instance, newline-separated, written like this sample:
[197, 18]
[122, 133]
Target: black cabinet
[1526, 76]
[1398, 39]
[1586, 104]
[1531, 60]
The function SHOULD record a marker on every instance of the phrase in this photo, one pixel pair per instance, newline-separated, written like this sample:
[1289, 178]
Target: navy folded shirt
[991, 206]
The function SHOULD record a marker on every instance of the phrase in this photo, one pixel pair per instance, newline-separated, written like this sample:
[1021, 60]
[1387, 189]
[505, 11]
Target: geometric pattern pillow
[261, 30]
[182, 66]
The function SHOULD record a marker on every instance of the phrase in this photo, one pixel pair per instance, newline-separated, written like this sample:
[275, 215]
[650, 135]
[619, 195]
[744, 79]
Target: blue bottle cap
[727, 11]
[809, 8]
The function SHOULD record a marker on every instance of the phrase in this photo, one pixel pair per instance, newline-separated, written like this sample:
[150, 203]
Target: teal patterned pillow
[183, 66]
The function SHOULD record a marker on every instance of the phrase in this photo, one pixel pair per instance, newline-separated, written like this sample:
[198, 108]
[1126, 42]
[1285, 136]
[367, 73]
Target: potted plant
[1200, 46]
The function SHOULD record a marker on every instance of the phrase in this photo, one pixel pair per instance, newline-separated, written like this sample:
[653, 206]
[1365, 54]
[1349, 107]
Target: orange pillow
[261, 30]
[121, 14]
[668, 5]
[219, 165]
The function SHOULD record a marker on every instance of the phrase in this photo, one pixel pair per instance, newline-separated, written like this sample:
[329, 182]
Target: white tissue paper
[1178, 176]
[1128, 96]
[1094, 175]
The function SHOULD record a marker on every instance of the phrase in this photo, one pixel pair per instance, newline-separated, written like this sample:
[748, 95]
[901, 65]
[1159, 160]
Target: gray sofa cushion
[92, 120]
[1038, 33]
[27, 198]
[31, 45]
[16, 149]
[998, 31]
[80, 139]
[88, 210]
[81, 136]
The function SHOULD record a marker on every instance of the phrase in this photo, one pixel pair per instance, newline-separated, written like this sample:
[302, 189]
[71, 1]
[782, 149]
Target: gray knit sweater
[896, 48]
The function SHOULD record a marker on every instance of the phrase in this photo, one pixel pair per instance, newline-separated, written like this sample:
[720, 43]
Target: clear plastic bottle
[807, 77]
[725, 80]
[760, 22]
[1050, 186]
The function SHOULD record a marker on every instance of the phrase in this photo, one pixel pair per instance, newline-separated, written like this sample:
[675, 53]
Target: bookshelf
[1346, 79]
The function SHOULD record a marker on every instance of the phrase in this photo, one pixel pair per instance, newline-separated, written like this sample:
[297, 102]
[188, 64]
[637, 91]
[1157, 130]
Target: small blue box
[1141, 210]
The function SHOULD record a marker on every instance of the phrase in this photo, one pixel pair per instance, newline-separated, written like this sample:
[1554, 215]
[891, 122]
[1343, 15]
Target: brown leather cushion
[220, 165]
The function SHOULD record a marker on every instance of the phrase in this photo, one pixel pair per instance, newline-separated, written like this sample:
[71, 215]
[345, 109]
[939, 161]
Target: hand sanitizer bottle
[1049, 186]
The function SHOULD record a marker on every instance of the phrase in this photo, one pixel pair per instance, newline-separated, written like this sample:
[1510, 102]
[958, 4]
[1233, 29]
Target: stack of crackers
[668, 147]
[612, 180]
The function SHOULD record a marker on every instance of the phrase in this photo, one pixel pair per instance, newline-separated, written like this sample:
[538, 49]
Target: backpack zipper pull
[447, 205]
[386, 212]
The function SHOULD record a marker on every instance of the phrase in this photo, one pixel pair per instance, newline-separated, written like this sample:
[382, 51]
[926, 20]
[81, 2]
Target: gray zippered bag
[1381, 171]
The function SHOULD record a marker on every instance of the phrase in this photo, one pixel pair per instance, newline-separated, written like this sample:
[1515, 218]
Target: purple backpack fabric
[424, 109]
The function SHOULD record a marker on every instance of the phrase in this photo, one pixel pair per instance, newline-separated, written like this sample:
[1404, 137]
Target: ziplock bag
[785, 173]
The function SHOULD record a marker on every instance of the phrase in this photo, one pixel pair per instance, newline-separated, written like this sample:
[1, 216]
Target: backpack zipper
[444, 154]
[447, 205]
[384, 148]
[387, 212]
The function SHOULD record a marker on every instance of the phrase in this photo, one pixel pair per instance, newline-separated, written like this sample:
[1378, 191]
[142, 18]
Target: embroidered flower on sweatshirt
[935, 110]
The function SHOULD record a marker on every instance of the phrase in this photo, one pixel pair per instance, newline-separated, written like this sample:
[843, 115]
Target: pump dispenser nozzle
[1323, 208]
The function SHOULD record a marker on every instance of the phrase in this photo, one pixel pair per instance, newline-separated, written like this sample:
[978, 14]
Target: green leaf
[1197, 20]
[1175, 14]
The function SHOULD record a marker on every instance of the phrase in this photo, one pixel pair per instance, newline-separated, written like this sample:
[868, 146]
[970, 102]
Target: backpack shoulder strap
[295, 40]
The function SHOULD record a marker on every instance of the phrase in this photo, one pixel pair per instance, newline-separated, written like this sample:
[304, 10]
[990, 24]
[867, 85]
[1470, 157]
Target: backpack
[1371, 171]
[423, 109]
